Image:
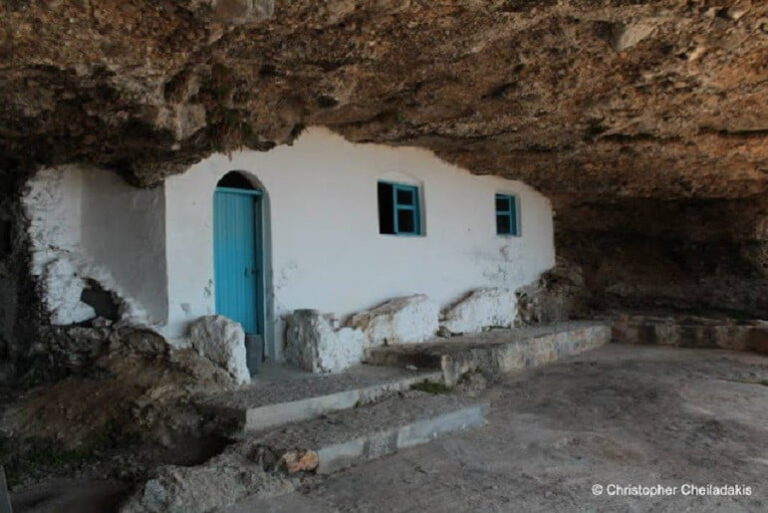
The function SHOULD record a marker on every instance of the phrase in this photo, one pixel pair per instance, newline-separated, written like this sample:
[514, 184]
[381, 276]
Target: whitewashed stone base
[313, 344]
[482, 308]
[403, 320]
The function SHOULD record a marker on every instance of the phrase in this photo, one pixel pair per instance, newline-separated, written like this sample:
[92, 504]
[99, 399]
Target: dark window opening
[399, 209]
[406, 221]
[507, 218]
[386, 209]
[502, 225]
[405, 197]
[235, 180]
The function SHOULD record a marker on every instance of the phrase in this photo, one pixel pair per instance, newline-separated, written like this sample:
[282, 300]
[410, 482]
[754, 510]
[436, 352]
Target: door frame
[262, 238]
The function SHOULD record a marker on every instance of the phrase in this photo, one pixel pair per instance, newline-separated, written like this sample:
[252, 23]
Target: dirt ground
[619, 415]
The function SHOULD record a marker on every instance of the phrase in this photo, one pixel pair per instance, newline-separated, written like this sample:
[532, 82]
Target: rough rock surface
[135, 378]
[481, 309]
[644, 121]
[218, 483]
[558, 295]
[133, 406]
[222, 341]
[313, 343]
[402, 320]
[643, 99]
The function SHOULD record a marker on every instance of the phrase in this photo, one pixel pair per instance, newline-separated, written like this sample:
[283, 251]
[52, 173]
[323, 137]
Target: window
[507, 219]
[399, 209]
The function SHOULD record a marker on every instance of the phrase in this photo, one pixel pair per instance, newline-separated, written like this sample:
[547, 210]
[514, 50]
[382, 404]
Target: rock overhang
[657, 99]
[650, 114]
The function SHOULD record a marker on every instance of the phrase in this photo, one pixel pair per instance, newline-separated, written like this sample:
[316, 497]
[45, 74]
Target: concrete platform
[350, 437]
[497, 351]
[278, 398]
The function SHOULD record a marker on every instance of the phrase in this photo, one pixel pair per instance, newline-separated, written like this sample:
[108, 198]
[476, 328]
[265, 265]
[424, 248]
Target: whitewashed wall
[327, 252]
[87, 222]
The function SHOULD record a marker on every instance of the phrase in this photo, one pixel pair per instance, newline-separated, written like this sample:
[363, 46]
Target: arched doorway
[239, 271]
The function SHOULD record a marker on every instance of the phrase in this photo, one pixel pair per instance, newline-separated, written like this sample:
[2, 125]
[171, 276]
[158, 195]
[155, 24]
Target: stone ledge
[269, 404]
[692, 332]
[496, 352]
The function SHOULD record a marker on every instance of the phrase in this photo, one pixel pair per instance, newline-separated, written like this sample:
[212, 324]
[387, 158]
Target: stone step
[277, 461]
[269, 403]
[496, 351]
[345, 438]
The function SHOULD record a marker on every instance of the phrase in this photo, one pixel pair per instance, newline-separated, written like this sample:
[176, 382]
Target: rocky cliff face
[644, 120]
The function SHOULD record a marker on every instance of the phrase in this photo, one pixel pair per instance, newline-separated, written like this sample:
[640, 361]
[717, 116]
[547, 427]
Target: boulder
[313, 343]
[222, 341]
[216, 484]
[402, 320]
[557, 295]
[482, 308]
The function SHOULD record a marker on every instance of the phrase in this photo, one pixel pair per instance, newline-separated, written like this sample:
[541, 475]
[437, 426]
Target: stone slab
[497, 351]
[267, 404]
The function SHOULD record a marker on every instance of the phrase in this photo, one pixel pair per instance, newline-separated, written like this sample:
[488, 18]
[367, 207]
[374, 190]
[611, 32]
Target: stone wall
[691, 331]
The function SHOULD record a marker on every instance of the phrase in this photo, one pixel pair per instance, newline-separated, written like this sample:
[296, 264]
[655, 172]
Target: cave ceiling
[602, 99]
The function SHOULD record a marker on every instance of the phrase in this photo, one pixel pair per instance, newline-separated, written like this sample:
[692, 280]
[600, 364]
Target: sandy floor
[625, 415]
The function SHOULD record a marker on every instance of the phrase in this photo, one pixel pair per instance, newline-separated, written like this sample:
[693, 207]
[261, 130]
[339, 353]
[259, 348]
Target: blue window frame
[507, 218]
[399, 209]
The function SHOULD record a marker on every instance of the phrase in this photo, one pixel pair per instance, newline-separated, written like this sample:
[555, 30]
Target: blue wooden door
[236, 227]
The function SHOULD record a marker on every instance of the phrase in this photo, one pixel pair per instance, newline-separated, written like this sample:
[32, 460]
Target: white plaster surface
[222, 341]
[64, 286]
[315, 345]
[327, 253]
[403, 320]
[87, 223]
[483, 308]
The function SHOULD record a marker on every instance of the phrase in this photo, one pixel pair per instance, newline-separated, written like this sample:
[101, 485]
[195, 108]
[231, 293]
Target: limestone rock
[222, 341]
[399, 321]
[483, 308]
[558, 295]
[625, 36]
[218, 483]
[181, 120]
[663, 142]
[313, 343]
[136, 387]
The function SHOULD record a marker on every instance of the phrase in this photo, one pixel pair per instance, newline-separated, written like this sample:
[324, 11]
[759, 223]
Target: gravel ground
[618, 415]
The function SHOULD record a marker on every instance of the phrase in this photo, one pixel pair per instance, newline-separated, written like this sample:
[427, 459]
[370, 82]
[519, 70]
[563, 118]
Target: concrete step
[269, 402]
[496, 351]
[345, 438]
